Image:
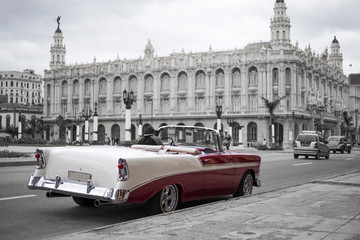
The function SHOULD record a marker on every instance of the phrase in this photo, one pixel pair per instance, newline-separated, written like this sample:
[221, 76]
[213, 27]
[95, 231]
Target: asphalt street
[30, 215]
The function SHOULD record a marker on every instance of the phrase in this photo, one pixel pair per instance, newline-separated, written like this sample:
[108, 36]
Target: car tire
[327, 155]
[334, 151]
[246, 185]
[296, 156]
[84, 202]
[306, 156]
[342, 150]
[317, 155]
[164, 201]
[349, 150]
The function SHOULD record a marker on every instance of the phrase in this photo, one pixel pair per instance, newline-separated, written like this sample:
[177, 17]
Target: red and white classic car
[188, 163]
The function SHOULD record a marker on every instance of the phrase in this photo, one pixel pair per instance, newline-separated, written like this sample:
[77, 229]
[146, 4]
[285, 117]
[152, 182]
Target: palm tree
[271, 106]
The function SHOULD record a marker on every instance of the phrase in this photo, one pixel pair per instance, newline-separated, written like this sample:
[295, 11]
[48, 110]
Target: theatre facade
[191, 88]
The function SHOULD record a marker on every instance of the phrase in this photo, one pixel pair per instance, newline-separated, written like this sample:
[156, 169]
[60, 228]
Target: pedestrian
[227, 140]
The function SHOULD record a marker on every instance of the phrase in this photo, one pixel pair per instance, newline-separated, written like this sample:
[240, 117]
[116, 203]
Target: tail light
[123, 170]
[40, 159]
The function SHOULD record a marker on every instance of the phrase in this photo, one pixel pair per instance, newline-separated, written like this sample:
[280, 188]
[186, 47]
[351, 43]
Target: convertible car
[187, 163]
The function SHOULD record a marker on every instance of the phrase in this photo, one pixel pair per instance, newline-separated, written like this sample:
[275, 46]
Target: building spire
[57, 49]
[280, 26]
[336, 58]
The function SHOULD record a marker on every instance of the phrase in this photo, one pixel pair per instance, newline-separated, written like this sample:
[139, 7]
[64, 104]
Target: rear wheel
[342, 150]
[334, 151]
[164, 201]
[84, 202]
[296, 156]
[317, 155]
[246, 185]
[349, 150]
[327, 155]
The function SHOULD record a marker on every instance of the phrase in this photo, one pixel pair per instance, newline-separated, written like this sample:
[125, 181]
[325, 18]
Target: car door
[323, 146]
[219, 174]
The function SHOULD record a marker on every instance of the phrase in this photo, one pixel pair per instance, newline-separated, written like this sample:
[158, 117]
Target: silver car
[311, 143]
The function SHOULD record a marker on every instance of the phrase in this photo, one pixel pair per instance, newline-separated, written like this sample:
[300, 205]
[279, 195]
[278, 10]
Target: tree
[271, 106]
[34, 126]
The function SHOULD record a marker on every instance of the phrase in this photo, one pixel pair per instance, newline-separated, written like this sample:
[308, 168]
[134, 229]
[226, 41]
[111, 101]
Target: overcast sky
[110, 28]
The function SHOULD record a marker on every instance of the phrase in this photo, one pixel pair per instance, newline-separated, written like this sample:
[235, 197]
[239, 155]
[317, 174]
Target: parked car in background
[339, 143]
[311, 143]
[184, 164]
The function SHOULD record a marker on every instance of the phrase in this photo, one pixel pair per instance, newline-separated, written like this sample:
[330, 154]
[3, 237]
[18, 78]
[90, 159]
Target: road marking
[11, 198]
[301, 164]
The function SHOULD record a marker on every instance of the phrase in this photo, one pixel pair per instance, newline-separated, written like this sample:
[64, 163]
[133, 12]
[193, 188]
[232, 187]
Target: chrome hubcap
[168, 198]
[248, 183]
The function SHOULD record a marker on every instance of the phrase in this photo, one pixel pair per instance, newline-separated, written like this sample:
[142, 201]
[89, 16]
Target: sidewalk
[325, 209]
[22, 161]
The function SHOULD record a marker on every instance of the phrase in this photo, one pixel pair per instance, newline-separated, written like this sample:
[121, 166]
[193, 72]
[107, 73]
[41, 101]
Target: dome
[335, 40]
[58, 30]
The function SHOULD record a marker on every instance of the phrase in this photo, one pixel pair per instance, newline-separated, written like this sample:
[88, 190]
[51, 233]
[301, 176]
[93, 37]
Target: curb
[17, 163]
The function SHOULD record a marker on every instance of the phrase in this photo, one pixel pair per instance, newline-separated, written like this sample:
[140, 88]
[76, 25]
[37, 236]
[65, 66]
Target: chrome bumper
[87, 190]
[311, 152]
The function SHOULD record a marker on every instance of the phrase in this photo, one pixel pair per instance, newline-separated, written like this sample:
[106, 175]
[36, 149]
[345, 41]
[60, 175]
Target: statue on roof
[58, 20]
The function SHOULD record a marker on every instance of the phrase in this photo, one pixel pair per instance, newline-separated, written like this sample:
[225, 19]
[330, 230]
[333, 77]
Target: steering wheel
[171, 140]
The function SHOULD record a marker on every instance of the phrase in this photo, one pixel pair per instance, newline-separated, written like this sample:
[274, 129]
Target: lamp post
[356, 126]
[218, 109]
[128, 98]
[230, 122]
[78, 121]
[68, 127]
[19, 126]
[86, 113]
[140, 126]
[95, 124]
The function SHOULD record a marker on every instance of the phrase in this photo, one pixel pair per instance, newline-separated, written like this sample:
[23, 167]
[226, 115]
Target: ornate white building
[184, 88]
[21, 92]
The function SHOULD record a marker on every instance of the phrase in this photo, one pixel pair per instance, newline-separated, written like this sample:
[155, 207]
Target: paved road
[29, 215]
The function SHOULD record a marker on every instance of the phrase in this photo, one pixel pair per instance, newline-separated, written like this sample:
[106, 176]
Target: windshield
[187, 136]
[306, 138]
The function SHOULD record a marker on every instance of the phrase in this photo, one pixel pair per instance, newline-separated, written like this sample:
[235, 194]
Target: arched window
[148, 83]
[252, 132]
[182, 81]
[288, 76]
[87, 87]
[76, 88]
[220, 78]
[200, 80]
[253, 76]
[275, 77]
[115, 133]
[236, 77]
[64, 89]
[102, 86]
[133, 83]
[117, 85]
[165, 82]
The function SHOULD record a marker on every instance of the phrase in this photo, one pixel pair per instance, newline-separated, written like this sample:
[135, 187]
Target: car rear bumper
[85, 190]
[306, 152]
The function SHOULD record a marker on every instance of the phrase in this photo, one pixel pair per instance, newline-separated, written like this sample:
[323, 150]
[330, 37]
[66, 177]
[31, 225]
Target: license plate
[79, 176]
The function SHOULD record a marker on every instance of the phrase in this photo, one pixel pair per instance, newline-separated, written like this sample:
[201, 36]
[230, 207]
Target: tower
[280, 26]
[335, 58]
[57, 49]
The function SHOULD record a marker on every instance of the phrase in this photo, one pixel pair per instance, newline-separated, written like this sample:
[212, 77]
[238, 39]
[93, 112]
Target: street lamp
[68, 127]
[86, 113]
[128, 98]
[95, 124]
[78, 121]
[218, 109]
[140, 126]
[19, 126]
[230, 122]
